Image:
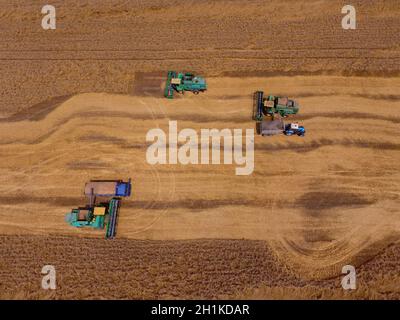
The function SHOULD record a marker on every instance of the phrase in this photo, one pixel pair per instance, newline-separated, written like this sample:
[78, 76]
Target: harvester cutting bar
[258, 105]
[169, 90]
[113, 210]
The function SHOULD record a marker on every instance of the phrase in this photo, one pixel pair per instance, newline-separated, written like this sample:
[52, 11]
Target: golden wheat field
[77, 102]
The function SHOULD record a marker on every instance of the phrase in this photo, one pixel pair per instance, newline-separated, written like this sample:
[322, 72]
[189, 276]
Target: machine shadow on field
[38, 111]
[315, 202]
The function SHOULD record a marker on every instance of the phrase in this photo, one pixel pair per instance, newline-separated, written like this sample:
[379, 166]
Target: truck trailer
[108, 188]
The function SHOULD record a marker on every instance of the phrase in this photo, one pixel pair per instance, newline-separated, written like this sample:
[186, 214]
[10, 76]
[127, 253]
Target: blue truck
[108, 188]
[276, 127]
[294, 129]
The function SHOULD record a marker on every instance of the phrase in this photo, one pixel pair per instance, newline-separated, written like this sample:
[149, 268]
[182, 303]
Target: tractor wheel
[196, 92]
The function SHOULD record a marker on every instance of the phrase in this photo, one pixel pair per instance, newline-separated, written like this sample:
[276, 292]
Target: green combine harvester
[271, 105]
[98, 216]
[181, 82]
[95, 216]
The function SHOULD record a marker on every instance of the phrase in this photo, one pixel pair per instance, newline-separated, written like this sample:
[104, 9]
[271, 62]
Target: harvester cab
[181, 82]
[294, 129]
[106, 213]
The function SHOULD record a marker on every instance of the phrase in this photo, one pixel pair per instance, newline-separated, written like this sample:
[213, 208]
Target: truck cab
[294, 129]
